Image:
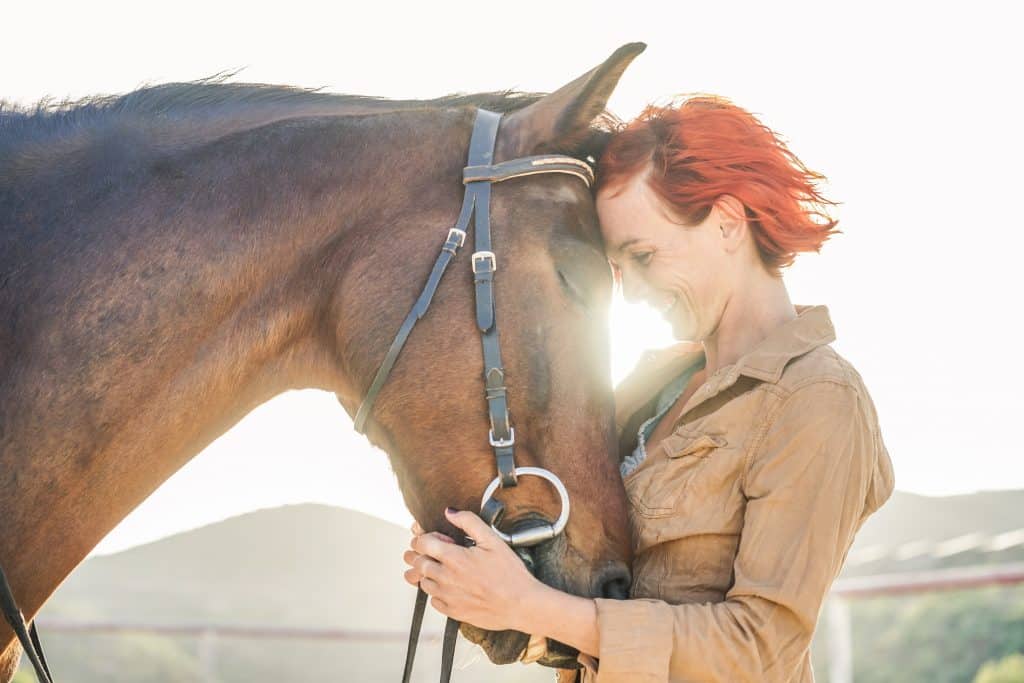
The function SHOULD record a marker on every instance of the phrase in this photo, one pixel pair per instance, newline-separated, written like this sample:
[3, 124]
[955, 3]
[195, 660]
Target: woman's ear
[732, 222]
[563, 117]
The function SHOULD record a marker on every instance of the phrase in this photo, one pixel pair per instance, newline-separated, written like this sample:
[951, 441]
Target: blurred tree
[942, 637]
[1006, 670]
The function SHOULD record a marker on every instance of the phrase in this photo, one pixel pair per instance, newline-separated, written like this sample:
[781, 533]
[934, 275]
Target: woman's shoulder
[822, 364]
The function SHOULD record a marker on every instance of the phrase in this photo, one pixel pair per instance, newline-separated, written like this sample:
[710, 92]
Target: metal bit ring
[537, 534]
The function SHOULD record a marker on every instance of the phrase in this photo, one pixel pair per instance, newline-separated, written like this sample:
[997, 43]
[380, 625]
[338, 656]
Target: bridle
[478, 176]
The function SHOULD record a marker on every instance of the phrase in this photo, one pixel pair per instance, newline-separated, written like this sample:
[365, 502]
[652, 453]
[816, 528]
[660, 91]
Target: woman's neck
[757, 306]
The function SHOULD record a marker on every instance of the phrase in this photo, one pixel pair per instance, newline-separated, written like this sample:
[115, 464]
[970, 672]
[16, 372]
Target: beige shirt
[742, 516]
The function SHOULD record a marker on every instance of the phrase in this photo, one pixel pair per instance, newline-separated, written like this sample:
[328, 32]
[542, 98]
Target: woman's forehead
[630, 215]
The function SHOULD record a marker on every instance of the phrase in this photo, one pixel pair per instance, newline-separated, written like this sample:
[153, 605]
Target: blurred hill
[314, 566]
[908, 517]
[309, 566]
[912, 533]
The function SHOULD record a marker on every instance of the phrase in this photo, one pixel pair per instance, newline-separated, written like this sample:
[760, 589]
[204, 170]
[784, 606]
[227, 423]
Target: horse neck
[177, 310]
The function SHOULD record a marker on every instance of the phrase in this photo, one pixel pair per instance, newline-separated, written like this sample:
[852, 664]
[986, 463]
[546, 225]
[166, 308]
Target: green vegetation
[1007, 670]
[938, 638]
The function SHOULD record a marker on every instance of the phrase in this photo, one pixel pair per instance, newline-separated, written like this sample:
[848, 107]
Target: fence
[839, 631]
[207, 635]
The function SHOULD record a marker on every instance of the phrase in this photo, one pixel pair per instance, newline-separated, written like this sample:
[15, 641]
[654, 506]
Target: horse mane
[176, 114]
[212, 97]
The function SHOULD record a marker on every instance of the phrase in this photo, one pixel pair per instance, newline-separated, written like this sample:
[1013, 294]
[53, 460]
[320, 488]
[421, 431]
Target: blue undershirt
[666, 399]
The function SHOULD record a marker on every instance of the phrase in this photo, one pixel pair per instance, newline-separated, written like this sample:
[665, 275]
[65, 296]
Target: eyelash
[643, 258]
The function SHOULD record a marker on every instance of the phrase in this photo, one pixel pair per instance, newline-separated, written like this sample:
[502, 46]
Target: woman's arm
[817, 471]
[811, 478]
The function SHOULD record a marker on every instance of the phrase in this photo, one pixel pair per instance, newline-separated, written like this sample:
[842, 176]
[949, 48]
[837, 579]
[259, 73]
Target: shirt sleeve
[806, 482]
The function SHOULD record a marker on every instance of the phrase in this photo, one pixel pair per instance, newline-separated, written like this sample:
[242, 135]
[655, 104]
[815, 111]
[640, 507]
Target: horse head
[552, 289]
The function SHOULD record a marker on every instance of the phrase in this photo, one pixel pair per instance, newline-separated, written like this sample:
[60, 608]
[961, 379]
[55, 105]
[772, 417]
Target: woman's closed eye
[642, 258]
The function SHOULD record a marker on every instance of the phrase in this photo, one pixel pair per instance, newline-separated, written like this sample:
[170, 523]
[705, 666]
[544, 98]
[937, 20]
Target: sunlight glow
[634, 328]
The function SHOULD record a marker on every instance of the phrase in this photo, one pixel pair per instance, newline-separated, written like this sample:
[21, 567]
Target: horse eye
[571, 289]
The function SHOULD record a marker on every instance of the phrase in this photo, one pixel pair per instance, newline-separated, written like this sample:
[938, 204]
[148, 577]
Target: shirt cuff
[636, 640]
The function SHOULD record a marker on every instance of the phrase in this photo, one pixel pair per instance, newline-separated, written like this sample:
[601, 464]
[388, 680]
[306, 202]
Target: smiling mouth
[668, 306]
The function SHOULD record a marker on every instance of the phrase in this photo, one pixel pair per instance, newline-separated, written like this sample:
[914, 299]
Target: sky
[912, 110]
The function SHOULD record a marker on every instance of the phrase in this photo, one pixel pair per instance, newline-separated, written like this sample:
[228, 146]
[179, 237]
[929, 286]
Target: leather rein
[478, 176]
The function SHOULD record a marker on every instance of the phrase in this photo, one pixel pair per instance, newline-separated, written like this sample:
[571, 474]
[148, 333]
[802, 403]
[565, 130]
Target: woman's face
[682, 271]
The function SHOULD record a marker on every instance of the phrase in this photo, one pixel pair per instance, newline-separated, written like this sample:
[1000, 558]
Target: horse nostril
[613, 582]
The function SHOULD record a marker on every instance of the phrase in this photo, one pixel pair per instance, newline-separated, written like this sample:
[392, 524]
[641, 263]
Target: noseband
[478, 176]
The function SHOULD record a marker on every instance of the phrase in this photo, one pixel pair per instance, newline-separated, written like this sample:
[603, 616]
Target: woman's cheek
[686, 323]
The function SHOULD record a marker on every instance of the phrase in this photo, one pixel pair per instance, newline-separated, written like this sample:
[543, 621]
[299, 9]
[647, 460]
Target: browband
[477, 176]
[517, 168]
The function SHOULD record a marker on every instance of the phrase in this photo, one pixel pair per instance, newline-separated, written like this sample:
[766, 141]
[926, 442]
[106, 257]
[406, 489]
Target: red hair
[704, 147]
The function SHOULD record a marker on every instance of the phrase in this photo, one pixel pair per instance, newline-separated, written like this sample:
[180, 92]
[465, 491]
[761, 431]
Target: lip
[667, 306]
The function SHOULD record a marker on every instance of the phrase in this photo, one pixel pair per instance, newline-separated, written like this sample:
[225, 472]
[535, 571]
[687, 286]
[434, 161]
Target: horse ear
[558, 118]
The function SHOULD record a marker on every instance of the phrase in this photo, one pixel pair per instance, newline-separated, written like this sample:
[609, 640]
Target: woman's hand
[486, 585]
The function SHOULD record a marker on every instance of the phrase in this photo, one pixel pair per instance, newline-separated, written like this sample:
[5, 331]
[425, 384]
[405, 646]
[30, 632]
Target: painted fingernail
[450, 511]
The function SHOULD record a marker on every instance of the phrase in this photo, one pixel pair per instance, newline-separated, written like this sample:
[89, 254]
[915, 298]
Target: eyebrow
[623, 245]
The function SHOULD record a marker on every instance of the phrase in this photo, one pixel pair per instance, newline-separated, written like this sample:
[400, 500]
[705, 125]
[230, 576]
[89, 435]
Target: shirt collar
[765, 362]
[810, 329]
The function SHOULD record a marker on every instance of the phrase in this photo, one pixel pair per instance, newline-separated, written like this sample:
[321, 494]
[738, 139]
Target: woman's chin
[684, 330]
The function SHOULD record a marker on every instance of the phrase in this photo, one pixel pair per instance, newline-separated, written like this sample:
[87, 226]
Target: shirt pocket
[655, 490]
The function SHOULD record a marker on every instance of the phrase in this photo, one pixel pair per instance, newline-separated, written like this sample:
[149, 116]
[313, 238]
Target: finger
[474, 527]
[428, 568]
[434, 589]
[412, 576]
[441, 537]
[410, 557]
[434, 534]
[441, 606]
[438, 548]
[417, 530]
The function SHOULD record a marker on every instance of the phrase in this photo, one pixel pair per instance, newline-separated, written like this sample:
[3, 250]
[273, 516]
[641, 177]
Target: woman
[751, 469]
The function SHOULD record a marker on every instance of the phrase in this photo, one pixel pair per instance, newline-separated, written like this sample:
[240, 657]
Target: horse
[174, 257]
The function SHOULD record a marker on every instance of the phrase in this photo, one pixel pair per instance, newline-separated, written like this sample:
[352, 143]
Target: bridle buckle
[485, 256]
[461, 234]
[502, 443]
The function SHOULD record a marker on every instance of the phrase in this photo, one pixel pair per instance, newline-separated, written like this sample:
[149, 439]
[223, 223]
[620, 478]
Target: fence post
[207, 655]
[840, 641]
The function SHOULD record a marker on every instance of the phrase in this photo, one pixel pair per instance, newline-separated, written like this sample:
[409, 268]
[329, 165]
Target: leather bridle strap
[481, 146]
[502, 437]
[456, 238]
[478, 175]
[418, 610]
[26, 633]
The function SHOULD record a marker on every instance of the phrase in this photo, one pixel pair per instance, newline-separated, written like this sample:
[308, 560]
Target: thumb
[474, 527]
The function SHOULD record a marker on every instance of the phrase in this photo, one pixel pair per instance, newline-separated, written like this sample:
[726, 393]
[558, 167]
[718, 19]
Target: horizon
[398, 525]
